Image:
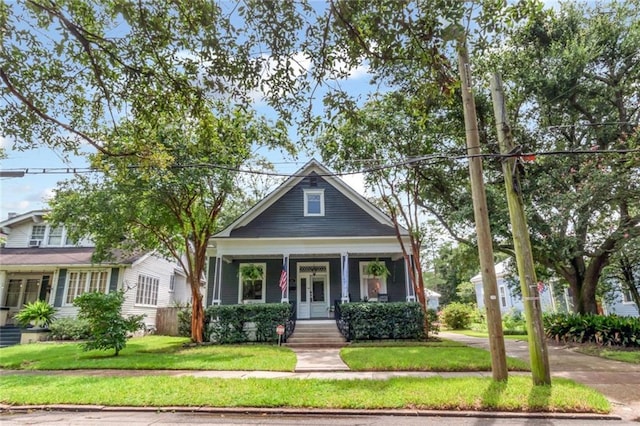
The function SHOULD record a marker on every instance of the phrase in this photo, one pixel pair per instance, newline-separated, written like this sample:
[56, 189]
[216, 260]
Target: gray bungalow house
[313, 238]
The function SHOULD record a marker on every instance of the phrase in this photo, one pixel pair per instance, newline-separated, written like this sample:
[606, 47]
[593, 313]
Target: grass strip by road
[435, 393]
[485, 334]
[625, 355]
[149, 353]
[423, 358]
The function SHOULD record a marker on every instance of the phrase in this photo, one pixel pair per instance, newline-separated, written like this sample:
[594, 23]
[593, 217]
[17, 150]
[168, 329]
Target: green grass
[436, 393]
[442, 356]
[625, 355]
[149, 353]
[474, 333]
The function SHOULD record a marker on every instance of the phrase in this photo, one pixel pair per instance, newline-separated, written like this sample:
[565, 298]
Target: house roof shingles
[56, 256]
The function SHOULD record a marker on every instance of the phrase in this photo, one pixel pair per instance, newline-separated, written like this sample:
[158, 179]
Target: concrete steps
[316, 334]
[9, 336]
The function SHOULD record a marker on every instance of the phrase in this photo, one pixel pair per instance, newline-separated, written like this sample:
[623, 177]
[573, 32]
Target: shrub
[184, 321]
[376, 321]
[610, 330]
[513, 322]
[226, 324]
[109, 329]
[457, 316]
[70, 329]
[38, 313]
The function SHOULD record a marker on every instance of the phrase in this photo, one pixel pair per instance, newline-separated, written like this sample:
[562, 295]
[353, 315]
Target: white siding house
[39, 262]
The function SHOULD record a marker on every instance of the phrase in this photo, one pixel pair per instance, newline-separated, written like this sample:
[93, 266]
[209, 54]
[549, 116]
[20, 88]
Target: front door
[313, 290]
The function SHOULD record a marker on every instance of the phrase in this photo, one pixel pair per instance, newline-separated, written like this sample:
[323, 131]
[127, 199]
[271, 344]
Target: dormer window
[314, 202]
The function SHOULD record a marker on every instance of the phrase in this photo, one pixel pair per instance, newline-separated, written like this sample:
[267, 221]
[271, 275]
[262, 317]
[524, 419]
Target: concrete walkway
[618, 381]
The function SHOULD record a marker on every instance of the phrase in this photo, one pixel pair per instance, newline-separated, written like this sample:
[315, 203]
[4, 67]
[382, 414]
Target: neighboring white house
[39, 262]
[507, 299]
[622, 303]
[433, 299]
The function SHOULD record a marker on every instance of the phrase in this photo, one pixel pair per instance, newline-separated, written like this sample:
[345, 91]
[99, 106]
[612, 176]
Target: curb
[310, 411]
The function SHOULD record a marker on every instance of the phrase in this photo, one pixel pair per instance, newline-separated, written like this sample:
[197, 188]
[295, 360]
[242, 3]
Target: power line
[431, 158]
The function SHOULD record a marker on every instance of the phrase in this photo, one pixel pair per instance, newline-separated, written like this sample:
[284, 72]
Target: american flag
[283, 279]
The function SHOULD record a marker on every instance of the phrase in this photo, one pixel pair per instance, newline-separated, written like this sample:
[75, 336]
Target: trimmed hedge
[610, 330]
[227, 323]
[377, 321]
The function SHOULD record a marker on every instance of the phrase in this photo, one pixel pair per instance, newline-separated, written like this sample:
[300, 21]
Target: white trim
[314, 191]
[264, 282]
[87, 282]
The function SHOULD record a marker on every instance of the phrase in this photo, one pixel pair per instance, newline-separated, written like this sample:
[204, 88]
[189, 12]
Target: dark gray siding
[210, 281]
[285, 218]
[113, 283]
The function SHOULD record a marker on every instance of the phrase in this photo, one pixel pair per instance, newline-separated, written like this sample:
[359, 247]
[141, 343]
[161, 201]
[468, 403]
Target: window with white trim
[503, 297]
[252, 290]
[314, 202]
[79, 282]
[147, 290]
[370, 285]
[55, 236]
[626, 295]
[172, 282]
[37, 232]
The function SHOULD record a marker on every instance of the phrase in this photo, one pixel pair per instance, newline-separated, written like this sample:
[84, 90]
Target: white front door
[313, 290]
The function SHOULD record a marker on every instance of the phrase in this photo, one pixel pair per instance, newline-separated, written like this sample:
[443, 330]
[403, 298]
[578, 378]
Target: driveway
[618, 381]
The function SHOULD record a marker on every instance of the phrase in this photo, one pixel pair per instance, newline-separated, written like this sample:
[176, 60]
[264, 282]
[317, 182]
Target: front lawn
[464, 393]
[436, 356]
[474, 333]
[149, 353]
[619, 354]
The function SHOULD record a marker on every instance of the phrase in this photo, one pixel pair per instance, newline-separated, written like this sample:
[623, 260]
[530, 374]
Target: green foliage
[227, 323]
[513, 322]
[184, 321]
[251, 272]
[109, 329]
[466, 292]
[38, 313]
[377, 269]
[610, 330]
[70, 329]
[377, 321]
[457, 316]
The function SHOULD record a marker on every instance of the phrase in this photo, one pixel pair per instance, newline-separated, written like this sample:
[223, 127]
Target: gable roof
[313, 166]
[35, 216]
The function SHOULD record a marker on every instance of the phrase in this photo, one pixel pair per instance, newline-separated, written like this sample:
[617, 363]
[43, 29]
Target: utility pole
[485, 243]
[521, 241]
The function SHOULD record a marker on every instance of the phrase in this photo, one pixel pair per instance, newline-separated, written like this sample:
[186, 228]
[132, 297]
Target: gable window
[55, 236]
[37, 235]
[80, 282]
[147, 291]
[314, 202]
[252, 287]
[371, 286]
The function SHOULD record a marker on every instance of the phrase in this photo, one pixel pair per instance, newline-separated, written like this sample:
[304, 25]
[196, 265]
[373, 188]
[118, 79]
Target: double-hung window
[80, 282]
[314, 202]
[252, 290]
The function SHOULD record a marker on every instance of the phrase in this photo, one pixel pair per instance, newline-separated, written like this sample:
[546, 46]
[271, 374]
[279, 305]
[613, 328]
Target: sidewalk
[618, 381]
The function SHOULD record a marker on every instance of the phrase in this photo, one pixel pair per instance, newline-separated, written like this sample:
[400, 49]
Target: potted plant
[39, 314]
[251, 272]
[377, 269]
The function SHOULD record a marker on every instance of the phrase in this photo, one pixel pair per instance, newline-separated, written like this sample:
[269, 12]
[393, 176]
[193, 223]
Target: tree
[624, 272]
[171, 203]
[73, 73]
[578, 95]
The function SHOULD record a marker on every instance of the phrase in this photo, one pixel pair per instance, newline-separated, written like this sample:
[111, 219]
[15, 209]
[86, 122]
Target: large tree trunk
[197, 310]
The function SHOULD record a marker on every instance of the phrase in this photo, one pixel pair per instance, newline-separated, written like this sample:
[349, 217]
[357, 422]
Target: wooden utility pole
[521, 241]
[485, 243]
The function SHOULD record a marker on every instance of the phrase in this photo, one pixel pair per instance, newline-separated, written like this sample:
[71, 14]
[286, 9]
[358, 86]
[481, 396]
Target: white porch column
[345, 277]
[409, 267]
[285, 270]
[217, 279]
[4, 285]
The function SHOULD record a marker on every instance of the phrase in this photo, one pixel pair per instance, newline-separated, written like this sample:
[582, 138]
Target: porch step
[316, 335]
[9, 335]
